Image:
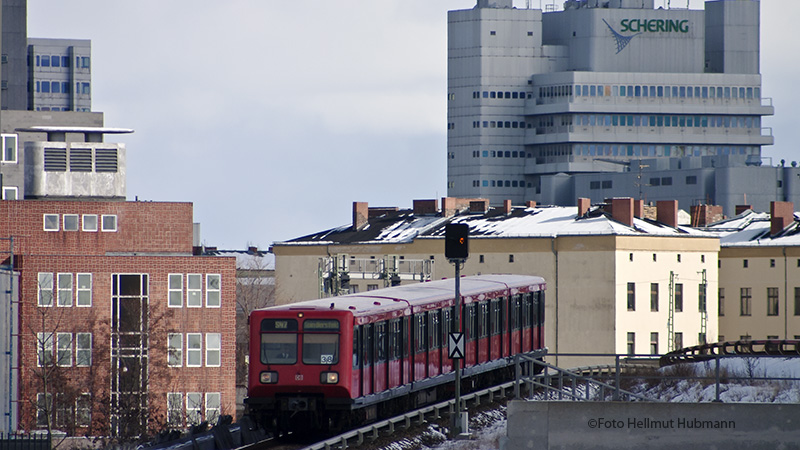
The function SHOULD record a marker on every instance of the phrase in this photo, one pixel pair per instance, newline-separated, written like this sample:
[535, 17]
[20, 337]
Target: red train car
[345, 360]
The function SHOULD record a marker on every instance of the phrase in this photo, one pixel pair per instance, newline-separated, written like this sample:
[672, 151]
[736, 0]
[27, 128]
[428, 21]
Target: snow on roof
[550, 221]
[247, 259]
[752, 229]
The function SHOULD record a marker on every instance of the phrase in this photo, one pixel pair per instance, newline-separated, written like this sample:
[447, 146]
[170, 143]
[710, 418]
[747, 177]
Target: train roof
[396, 298]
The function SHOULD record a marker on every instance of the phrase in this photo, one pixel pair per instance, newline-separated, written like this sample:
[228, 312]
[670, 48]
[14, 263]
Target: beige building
[759, 275]
[616, 283]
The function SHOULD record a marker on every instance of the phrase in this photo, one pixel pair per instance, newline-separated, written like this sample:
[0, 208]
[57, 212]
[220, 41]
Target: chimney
[583, 206]
[478, 206]
[507, 206]
[449, 206]
[425, 207]
[742, 208]
[781, 216]
[530, 204]
[360, 215]
[638, 209]
[622, 210]
[703, 215]
[667, 212]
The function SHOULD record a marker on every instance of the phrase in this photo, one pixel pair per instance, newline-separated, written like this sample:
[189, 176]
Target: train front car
[297, 369]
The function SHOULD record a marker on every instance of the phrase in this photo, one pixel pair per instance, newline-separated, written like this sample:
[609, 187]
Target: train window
[419, 333]
[469, 321]
[495, 317]
[278, 348]
[355, 346]
[483, 319]
[366, 342]
[434, 329]
[526, 311]
[395, 339]
[515, 312]
[447, 323]
[320, 348]
[404, 341]
[380, 341]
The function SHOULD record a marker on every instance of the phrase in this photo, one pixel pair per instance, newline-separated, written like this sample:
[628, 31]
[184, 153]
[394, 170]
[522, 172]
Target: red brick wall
[163, 320]
[141, 227]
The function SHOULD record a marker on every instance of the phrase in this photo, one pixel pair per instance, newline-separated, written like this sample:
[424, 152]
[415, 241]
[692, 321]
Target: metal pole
[616, 380]
[457, 425]
[717, 376]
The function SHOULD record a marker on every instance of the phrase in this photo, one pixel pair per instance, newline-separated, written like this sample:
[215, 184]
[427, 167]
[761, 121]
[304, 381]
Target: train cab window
[434, 329]
[320, 341]
[420, 333]
[380, 342]
[278, 341]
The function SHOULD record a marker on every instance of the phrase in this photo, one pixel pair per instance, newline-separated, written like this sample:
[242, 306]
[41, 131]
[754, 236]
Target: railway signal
[456, 249]
[456, 241]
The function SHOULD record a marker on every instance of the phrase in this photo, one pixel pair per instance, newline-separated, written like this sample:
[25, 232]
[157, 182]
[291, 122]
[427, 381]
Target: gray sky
[273, 117]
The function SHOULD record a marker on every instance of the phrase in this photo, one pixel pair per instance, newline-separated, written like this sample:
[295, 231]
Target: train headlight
[329, 377]
[269, 377]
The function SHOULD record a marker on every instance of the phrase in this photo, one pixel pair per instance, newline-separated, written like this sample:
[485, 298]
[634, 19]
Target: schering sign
[654, 26]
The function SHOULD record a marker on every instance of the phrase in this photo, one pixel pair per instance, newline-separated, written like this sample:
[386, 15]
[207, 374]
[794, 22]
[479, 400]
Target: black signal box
[456, 241]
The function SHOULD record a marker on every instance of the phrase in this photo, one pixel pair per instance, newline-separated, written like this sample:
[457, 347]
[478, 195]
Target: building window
[631, 343]
[213, 349]
[174, 349]
[480, 259]
[772, 301]
[9, 148]
[772, 263]
[797, 301]
[691, 179]
[654, 297]
[653, 343]
[64, 293]
[44, 349]
[70, 222]
[175, 290]
[84, 289]
[372, 287]
[90, 222]
[511, 258]
[45, 288]
[679, 257]
[51, 222]
[213, 406]
[678, 340]
[745, 296]
[83, 410]
[44, 407]
[194, 350]
[10, 193]
[194, 407]
[631, 297]
[194, 290]
[64, 345]
[744, 263]
[109, 222]
[213, 290]
[701, 338]
[678, 297]
[721, 301]
[83, 349]
[175, 409]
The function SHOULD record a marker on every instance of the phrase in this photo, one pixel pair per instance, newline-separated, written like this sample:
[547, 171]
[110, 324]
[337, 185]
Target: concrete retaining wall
[607, 425]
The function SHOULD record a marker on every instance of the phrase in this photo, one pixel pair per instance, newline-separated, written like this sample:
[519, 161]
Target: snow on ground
[489, 427]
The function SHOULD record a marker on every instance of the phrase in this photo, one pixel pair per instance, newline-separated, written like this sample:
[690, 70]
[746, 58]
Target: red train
[339, 361]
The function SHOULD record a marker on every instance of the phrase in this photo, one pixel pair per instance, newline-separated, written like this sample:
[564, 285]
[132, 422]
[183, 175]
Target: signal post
[456, 250]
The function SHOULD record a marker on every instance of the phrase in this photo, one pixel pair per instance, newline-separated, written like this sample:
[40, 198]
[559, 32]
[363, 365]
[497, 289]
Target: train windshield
[278, 341]
[320, 346]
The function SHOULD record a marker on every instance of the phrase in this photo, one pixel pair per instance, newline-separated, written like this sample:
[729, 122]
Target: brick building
[122, 330]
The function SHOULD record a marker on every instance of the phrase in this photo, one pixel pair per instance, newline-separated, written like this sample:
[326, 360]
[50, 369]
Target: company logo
[640, 26]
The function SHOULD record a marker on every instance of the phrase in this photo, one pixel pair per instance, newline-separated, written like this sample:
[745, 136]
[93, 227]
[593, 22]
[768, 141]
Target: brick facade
[92, 277]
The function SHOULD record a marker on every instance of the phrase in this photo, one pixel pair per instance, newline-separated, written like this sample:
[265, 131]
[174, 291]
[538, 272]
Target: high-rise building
[60, 75]
[610, 98]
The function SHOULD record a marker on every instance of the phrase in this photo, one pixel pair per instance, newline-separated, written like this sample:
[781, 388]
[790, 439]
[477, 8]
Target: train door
[366, 372]
[406, 365]
[355, 378]
[434, 347]
[379, 366]
[538, 321]
[395, 354]
[515, 323]
[420, 353]
[494, 329]
[447, 328]
[504, 327]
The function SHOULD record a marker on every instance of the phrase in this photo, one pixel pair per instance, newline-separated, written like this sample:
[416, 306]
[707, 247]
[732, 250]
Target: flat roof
[84, 129]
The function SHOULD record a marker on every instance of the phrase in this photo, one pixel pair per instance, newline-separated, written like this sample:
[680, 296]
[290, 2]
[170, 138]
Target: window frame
[64, 351]
[5, 138]
[174, 354]
[631, 296]
[212, 413]
[44, 349]
[83, 222]
[13, 189]
[194, 351]
[64, 218]
[175, 416]
[773, 302]
[194, 291]
[194, 408]
[83, 350]
[103, 227]
[213, 351]
[51, 217]
[83, 290]
[70, 289]
[41, 290]
[171, 289]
